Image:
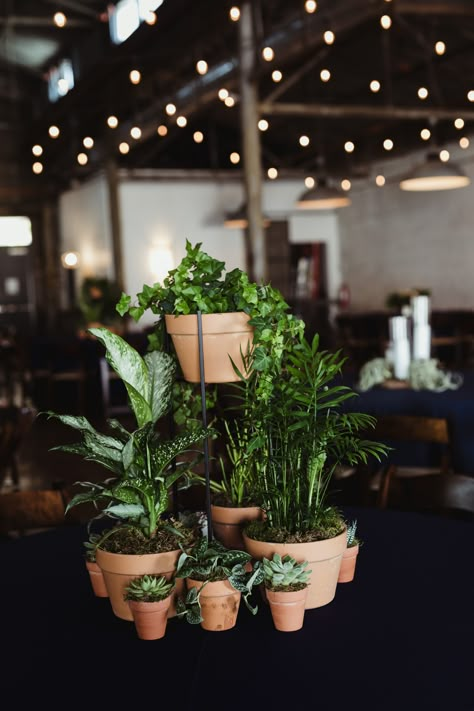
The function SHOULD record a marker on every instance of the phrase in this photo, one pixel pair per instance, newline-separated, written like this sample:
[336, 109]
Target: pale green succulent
[351, 534]
[282, 573]
[149, 588]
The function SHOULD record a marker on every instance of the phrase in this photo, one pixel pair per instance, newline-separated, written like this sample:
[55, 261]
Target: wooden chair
[451, 495]
[25, 512]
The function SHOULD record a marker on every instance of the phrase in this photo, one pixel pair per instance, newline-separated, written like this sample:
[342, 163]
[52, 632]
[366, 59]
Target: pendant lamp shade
[322, 197]
[238, 219]
[433, 174]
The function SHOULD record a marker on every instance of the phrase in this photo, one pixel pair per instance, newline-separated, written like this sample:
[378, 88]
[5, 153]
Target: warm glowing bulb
[198, 136]
[162, 130]
[88, 142]
[268, 54]
[70, 260]
[374, 86]
[425, 134]
[136, 132]
[124, 148]
[234, 158]
[112, 122]
[229, 101]
[60, 19]
[202, 67]
[464, 142]
[444, 156]
[346, 184]
[329, 37]
[234, 14]
[181, 121]
[53, 131]
[272, 173]
[325, 75]
[150, 18]
[459, 123]
[135, 76]
[470, 95]
[388, 144]
[37, 150]
[380, 180]
[82, 158]
[386, 22]
[170, 109]
[304, 141]
[309, 182]
[277, 76]
[310, 6]
[440, 48]
[349, 147]
[422, 93]
[63, 87]
[222, 94]
[37, 168]
[263, 125]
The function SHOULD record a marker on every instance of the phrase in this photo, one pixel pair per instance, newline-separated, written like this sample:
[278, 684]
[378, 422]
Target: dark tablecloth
[398, 637]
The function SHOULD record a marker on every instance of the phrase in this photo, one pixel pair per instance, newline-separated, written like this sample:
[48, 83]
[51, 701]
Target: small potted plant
[349, 557]
[149, 598]
[95, 573]
[216, 579]
[286, 586]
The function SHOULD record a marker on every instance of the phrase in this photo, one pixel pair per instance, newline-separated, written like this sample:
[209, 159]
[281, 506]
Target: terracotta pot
[348, 565]
[287, 609]
[227, 523]
[97, 579]
[224, 335]
[324, 560]
[150, 617]
[219, 604]
[119, 569]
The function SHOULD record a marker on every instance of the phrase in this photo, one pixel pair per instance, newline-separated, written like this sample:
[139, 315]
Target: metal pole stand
[204, 424]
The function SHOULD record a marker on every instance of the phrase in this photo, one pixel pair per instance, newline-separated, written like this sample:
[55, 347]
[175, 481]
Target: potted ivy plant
[301, 435]
[95, 573]
[149, 598]
[286, 587]
[144, 537]
[216, 579]
[349, 557]
[236, 314]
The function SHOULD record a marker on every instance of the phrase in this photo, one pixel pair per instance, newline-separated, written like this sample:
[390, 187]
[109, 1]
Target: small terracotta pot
[97, 579]
[287, 609]
[227, 523]
[348, 565]
[225, 336]
[219, 604]
[150, 617]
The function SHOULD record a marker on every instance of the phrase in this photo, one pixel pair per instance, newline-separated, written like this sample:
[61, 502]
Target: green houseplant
[143, 468]
[149, 598]
[95, 573]
[286, 585]
[349, 557]
[98, 297]
[216, 579]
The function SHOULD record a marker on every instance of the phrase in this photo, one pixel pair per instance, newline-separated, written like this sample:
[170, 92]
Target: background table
[398, 636]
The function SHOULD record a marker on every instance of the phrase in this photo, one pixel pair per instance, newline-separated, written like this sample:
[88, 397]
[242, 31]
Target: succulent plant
[149, 588]
[285, 573]
[351, 534]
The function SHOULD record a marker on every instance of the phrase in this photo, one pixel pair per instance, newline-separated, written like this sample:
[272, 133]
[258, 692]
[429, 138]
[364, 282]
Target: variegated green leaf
[161, 368]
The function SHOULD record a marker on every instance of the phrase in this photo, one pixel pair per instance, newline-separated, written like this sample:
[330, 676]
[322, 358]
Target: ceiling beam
[450, 7]
[380, 112]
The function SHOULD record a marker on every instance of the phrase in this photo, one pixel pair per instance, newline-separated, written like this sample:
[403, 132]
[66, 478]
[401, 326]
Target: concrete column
[115, 220]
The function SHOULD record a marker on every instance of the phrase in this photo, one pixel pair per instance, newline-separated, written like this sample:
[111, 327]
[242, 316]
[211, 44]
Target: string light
[124, 148]
[162, 130]
[37, 167]
[309, 182]
[380, 181]
[234, 158]
[263, 125]
[388, 144]
[268, 54]
[272, 173]
[329, 37]
[59, 19]
[182, 121]
[53, 131]
[464, 142]
[234, 14]
[470, 95]
[325, 75]
[440, 48]
[346, 184]
[444, 155]
[374, 86]
[135, 76]
[349, 147]
[88, 142]
[112, 122]
[310, 6]
[422, 93]
[459, 123]
[202, 67]
[63, 87]
[304, 141]
[198, 136]
[277, 76]
[222, 94]
[170, 109]
[136, 132]
[82, 158]
[425, 134]
[229, 101]
[37, 150]
[150, 18]
[386, 22]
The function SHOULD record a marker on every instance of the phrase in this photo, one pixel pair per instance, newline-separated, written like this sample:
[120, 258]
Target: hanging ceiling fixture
[238, 219]
[434, 174]
[322, 197]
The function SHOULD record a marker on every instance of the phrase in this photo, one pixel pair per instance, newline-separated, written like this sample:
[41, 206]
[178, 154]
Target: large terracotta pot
[324, 560]
[348, 565]
[97, 579]
[287, 609]
[227, 523]
[119, 569]
[219, 604]
[224, 335]
[150, 617]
